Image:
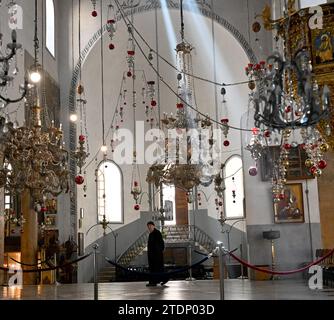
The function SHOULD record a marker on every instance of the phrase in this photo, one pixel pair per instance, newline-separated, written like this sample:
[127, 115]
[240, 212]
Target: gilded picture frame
[291, 208]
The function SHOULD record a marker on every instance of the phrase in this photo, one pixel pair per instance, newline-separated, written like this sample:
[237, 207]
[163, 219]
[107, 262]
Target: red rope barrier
[245, 263]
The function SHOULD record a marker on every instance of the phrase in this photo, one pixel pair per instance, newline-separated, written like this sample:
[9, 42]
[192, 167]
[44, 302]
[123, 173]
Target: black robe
[155, 248]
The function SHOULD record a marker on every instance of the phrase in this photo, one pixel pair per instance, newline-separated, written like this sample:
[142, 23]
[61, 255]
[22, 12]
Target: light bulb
[35, 77]
[73, 117]
[104, 149]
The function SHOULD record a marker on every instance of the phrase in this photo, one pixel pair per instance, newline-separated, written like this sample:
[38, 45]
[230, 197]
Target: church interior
[212, 119]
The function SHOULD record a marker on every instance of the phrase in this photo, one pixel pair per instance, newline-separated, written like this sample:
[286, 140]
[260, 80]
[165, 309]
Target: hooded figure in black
[155, 248]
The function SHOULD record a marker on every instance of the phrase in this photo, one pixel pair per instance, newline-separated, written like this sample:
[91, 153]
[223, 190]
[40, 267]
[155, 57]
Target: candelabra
[37, 158]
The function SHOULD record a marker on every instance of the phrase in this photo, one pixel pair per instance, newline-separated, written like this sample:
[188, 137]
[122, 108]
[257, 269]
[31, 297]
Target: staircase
[178, 234]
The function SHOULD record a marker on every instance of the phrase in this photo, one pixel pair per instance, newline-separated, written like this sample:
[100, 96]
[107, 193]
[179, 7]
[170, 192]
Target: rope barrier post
[190, 263]
[96, 288]
[221, 269]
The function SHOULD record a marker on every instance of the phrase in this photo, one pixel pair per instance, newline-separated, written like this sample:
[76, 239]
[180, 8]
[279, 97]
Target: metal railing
[184, 234]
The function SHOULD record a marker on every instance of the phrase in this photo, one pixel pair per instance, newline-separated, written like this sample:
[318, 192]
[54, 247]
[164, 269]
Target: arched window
[109, 192]
[50, 27]
[310, 3]
[234, 192]
[169, 195]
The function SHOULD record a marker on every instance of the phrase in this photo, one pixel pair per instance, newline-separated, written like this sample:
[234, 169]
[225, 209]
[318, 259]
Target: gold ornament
[251, 85]
[80, 89]
[324, 147]
[309, 163]
[286, 163]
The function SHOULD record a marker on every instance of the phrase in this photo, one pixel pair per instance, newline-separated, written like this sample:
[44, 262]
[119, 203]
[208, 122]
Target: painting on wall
[324, 47]
[291, 208]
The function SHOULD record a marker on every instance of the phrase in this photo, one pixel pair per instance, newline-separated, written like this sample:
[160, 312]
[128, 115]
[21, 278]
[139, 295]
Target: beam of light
[169, 25]
[204, 31]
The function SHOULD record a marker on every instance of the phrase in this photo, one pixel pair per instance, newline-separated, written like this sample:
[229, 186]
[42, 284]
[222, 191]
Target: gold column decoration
[29, 238]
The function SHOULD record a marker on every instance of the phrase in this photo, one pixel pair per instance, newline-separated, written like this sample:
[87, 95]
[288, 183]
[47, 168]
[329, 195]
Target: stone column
[29, 237]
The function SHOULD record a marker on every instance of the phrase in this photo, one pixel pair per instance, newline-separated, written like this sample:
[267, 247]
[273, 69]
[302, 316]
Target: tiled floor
[174, 290]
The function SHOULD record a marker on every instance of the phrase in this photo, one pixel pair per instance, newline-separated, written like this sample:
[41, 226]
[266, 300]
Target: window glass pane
[109, 192]
[234, 192]
[169, 194]
[50, 26]
[311, 3]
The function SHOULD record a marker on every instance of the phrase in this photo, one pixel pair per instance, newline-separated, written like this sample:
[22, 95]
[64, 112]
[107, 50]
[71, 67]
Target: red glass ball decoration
[153, 103]
[313, 169]
[252, 171]
[287, 109]
[136, 207]
[287, 146]
[111, 46]
[322, 164]
[44, 209]
[94, 13]
[226, 143]
[281, 196]
[267, 133]
[82, 138]
[129, 74]
[179, 106]
[224, 120]
[135, 183]
[220, 203]
[79, 180]
[111, 21]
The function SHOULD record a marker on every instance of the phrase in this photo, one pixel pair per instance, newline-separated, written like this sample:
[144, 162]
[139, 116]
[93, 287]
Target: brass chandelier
[34, 158]
[178, 167]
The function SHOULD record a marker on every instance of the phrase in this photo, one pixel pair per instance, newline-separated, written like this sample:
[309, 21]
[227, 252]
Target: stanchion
[190, 263]
[221, 270]
[96, 288]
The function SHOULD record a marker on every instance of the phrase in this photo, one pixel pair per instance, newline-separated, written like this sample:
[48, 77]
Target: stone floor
[174, 290]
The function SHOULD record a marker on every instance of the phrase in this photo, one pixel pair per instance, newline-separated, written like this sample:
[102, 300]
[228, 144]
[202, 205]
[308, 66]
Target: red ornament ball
[179, 106]
[281, 196]
[136, 207]
[226, 143]
[267, 133]
[287, 109]
[94, 13]
[111, 21]
[135, 183]
[252, 171]
[322, 164]
[220, 203]
[313, 169]
[82, 138]
[287, 146]
[129, 74]
[111, 46]
[153, 103]
[44, 209]
[79, 180]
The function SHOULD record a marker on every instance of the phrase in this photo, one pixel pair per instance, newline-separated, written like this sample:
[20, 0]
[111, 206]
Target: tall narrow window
[109, 192]
[50, 26]
[311, 3]
[234, 192]
[169, 195]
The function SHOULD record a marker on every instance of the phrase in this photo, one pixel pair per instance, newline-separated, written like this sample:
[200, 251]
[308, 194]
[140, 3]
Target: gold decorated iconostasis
[320, 43]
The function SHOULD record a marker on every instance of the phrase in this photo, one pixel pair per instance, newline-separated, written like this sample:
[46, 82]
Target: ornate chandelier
[35, 159]
[175, 167]
[287, 99]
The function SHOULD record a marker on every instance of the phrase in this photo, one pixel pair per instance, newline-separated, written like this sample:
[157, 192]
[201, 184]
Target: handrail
[173, 234]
